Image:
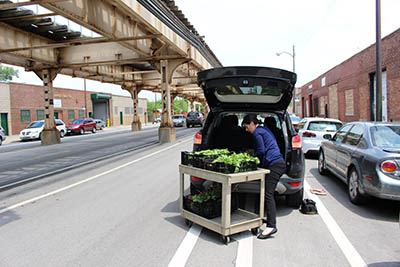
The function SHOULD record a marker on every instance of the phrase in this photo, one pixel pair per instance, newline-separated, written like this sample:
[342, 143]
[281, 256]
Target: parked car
[366, 156]
[179, 120]
[194, 118]
[232, 93]
[100, 124]
[81, 126]
[2, 135]
[35, 128]
[312, 131]
[295, 121]
[156, 120]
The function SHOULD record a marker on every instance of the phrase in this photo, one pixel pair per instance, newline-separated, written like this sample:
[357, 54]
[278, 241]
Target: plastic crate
[187, 158]
[248, 166]
[223, 167]
[210, 209]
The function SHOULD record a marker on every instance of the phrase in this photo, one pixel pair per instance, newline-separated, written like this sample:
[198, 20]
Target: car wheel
[294, 200]
[188, 125]
[82, 131]
[62, 134]
[1, 141]
[94, 129]
[322, 164]
[352, 183]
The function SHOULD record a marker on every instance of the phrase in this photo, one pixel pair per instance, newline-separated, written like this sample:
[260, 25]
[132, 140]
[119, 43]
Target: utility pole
[293, 55]
[378, 94]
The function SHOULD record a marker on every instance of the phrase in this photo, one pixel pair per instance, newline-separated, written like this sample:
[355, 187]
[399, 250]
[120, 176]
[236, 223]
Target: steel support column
[136, 124]
[173, 96]
[50, 135]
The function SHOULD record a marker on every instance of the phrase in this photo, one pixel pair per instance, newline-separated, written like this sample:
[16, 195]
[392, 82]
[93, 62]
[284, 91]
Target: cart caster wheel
[255, 231]
[225, 239]
[188, 223]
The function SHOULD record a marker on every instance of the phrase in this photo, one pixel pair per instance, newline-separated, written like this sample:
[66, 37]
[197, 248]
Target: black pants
[271, 180]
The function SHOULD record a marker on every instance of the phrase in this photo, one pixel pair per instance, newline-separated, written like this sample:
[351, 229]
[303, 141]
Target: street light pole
[378, 94]
[293, 55]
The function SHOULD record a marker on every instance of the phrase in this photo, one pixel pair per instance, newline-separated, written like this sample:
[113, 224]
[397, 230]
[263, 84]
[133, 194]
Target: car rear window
[36, 124]
[386, 136]
[193, 115]
[324, 126]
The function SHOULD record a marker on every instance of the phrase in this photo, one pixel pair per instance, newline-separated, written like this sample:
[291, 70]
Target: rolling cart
[228, 223]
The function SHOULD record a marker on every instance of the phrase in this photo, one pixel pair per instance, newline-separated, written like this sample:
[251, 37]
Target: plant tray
[210, 209]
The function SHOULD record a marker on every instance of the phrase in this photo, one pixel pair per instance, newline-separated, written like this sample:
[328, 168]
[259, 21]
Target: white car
[179, 120]
[35, 128]
[312, 130]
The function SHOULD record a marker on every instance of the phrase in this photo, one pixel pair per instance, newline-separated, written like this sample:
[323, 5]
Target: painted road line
[186, 247]
[91, 178]
[245, 250]
[347, 248]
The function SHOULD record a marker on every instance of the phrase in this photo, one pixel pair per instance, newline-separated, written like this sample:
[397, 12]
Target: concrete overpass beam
[50, 135]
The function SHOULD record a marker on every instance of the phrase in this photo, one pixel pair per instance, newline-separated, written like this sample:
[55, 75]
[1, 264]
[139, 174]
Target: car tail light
[197, 139]
[388, 166]
[195, 179]
[295, 184]
[296, 142]
[308, 134]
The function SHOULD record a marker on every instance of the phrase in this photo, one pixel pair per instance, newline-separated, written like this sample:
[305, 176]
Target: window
[25, 115]
[324, 126]
[301, 124]
[385, 136]
[71, 115]
[127, 110]
[140, 110]
[341, 134]
[354, 135]
[116, 110]
[40, 114]
[81, 114]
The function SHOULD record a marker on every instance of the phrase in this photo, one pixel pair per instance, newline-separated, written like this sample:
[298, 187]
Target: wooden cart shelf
[229, 223]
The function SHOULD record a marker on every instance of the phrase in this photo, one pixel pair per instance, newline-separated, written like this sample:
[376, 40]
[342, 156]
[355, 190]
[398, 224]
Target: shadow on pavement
[377, 209]
[7, 217]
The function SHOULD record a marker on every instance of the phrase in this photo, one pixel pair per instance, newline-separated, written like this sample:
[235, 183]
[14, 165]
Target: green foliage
[212, 194]
[236, 159]
[179, 104]
[212, 152]
[6, 73]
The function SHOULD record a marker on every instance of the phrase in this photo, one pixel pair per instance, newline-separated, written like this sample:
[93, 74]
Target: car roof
[321, 119]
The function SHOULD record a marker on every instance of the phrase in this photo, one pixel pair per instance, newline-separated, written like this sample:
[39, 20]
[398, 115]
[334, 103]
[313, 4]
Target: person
[267, 150]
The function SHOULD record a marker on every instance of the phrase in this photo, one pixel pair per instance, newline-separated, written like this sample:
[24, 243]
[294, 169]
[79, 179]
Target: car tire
[352, 188]
[294, 200]
[188, 125]
[81, 131]
[62, 134]
[1, 141]
[93, 129]
[322, 163]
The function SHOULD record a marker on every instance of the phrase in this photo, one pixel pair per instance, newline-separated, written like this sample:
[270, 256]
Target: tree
[7, 73]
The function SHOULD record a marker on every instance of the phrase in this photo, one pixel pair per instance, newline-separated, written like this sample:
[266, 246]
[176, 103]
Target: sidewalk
[15, 138]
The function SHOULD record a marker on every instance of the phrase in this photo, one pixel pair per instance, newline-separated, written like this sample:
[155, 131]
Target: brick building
[347, 91]
[22, 103]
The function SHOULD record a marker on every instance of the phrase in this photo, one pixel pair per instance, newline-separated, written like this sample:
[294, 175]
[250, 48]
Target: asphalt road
[27, 161]
[123, 211]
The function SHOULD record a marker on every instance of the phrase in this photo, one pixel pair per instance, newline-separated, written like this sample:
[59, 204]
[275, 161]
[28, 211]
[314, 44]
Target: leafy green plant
[236, 159]
[212, 152]
[212, 194]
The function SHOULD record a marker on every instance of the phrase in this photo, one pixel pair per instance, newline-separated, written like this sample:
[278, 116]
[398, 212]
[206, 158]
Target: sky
[250, 33]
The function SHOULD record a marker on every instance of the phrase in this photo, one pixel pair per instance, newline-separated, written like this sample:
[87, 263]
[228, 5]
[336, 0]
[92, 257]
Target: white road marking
[347, 248]
[186, 247]
[244, 256]
[90, 178]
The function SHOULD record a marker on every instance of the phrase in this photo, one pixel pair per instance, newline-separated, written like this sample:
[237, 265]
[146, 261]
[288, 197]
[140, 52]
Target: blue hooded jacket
[266, 148]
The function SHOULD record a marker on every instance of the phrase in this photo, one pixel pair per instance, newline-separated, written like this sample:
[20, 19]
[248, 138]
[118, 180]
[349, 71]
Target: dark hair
[250, 118]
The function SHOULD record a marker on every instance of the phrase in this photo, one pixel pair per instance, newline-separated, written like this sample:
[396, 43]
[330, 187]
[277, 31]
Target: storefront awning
[100, 96]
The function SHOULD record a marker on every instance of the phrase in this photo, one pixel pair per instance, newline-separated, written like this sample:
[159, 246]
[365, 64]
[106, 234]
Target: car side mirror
[327, 136]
